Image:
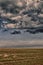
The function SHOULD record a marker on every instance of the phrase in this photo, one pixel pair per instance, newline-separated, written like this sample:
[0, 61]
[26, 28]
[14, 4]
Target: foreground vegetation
[21, 56]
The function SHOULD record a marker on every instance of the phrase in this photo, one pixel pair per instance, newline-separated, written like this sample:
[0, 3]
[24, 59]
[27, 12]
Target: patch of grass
[21, 56]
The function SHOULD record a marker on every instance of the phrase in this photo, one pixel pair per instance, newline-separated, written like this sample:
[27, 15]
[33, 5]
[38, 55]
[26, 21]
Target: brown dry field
[19, 56]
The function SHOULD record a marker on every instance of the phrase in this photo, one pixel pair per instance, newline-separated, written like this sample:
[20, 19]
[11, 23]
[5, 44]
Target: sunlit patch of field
[21, 56]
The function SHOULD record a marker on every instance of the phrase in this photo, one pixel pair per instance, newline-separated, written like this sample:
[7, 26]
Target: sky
[23, 39]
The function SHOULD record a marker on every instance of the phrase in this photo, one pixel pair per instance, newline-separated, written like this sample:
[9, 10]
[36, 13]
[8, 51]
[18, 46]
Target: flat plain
[19, 56]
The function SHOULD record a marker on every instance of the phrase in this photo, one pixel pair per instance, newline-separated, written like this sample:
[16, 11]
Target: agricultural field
[21, 56]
